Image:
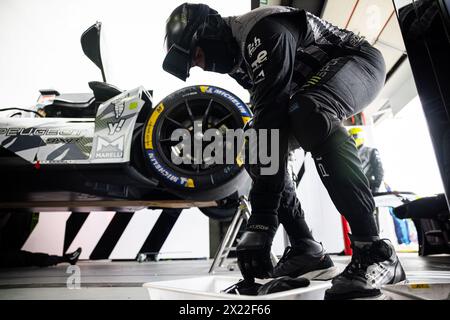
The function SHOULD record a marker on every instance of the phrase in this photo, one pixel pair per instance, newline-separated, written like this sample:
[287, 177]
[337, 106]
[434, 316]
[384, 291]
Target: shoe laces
[361, 259]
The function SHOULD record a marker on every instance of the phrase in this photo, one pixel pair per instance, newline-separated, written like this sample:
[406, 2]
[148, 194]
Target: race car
[112, 149]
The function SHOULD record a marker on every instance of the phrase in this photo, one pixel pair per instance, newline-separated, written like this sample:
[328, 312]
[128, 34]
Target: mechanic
[370, 159]
[305, 77]
[14, 230]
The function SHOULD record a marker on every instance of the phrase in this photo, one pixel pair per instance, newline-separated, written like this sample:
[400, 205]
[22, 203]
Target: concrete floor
[124, 280]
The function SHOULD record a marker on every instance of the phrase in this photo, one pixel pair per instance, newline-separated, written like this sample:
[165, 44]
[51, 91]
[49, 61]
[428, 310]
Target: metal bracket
[242, 213]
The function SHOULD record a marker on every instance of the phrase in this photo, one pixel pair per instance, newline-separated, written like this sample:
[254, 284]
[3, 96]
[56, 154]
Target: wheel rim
[207, 111]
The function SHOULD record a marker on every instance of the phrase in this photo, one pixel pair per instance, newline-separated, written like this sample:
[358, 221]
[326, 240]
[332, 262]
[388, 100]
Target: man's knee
[310, 126]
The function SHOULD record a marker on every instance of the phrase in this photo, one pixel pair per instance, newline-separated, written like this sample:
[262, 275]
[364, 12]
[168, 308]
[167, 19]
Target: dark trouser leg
[340, 170]
[291, 215]
[342, 88]
[11, 259]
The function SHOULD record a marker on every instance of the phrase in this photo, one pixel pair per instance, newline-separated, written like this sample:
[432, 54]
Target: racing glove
[253, 250]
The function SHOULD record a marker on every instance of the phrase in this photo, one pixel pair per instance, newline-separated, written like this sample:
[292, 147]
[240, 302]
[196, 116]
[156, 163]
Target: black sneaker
[302, 262]
[372, 266]
[72, 257]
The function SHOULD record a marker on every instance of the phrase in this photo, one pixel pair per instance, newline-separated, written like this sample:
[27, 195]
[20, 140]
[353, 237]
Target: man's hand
[253, 250]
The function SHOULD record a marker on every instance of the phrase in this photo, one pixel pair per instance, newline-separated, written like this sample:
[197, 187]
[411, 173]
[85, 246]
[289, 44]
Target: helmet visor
[177, 62]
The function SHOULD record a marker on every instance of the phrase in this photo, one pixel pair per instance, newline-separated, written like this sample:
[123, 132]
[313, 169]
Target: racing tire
[194, 109]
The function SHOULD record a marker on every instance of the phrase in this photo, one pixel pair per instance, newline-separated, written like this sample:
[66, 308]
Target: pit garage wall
[111, 235]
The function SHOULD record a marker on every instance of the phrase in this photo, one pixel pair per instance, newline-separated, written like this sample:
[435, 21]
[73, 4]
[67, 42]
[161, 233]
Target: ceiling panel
[337, 12]
[369, 17]
[392, 35]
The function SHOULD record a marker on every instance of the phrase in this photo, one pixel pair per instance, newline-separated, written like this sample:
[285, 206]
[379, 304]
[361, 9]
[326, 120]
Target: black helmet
[180, 42]
[192, 25]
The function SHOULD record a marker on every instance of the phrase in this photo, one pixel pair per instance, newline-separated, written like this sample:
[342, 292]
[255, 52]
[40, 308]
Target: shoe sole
[322, 275]
[382, 296]
[355, 295]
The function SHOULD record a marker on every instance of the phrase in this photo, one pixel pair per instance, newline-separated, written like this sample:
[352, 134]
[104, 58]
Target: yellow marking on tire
[246, 119]
[239, 160]
[148, 137]
[203, 88]
[190, 183]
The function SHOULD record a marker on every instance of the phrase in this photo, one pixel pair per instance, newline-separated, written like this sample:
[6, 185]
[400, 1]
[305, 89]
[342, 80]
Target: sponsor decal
[239, 104]
[253, 46]
[115, 127]
[39, 132]
[189, 94]
[57, 140]
[258, 227]
[118, 109]
[168, 174]
[148, 137]
[323, 172]
[260, 58]
[133, 105]
[109, 148]
[260, 77]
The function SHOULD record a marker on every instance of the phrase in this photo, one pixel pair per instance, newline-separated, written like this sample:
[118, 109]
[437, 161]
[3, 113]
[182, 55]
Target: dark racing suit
[305, 77]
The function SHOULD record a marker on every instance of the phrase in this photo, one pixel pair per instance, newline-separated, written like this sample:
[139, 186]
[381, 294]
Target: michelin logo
[107, 149]
[166, 173]
[230, 97]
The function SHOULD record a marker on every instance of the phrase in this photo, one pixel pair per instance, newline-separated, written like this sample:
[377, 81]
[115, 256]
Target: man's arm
[269, 55]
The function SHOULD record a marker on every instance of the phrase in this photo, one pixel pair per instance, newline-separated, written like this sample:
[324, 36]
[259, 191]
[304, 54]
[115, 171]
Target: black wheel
[194, 109]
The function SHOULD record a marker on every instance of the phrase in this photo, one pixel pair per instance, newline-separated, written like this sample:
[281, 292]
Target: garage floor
[123, 280]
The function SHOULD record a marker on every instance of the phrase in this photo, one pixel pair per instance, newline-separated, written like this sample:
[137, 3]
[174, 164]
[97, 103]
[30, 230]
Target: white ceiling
[375, 20]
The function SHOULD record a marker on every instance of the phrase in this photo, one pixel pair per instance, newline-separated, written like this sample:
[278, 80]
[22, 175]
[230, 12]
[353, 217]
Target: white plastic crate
[209, 287]
[421, 285]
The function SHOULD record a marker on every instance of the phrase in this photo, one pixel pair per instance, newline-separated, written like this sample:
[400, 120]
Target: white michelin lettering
[169, 176]
[235, 101]
[183, 180]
